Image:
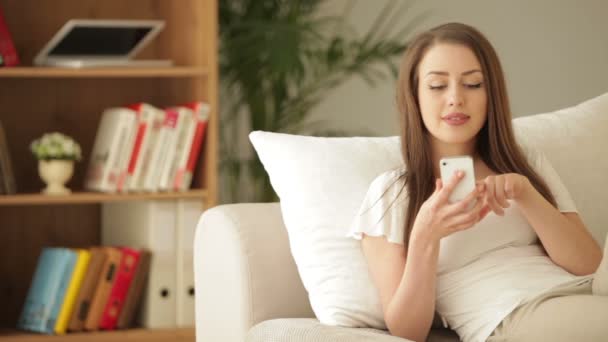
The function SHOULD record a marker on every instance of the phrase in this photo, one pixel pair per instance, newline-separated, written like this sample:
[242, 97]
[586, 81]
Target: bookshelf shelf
[94, 197]
[114, 72]
[37, 100]
[151, 335]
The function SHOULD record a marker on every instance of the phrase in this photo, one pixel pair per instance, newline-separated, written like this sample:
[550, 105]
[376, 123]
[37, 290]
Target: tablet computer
[99, 42]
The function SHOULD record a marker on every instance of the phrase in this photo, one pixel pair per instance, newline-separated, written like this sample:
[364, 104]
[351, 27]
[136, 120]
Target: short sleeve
[545, 170]
[382, 212]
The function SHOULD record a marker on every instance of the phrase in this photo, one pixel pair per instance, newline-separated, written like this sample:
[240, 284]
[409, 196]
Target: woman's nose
[455, 98]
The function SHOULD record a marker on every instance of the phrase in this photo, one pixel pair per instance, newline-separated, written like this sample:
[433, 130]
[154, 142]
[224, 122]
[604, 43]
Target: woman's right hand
[438, 218]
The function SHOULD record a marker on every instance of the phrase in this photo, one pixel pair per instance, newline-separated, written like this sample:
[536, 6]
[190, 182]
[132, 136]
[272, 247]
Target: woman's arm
[564, 236]
[406, 282]
[406, 277]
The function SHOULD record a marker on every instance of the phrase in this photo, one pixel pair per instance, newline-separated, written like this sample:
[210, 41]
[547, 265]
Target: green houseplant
[56, 154]
[278, 59]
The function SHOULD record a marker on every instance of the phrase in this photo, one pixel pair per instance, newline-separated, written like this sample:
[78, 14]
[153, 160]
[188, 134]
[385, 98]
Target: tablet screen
[100, 41]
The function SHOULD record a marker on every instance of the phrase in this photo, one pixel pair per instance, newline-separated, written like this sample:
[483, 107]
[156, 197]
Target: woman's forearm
[411, 310]
[568, 243]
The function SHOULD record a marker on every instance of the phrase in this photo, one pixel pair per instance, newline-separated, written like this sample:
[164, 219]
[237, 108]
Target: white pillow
[574, 140]
[321, 183]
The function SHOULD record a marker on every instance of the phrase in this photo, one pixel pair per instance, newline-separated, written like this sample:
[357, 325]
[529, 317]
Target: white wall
[554, 53]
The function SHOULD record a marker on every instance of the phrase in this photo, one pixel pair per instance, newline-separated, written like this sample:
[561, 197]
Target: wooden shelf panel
[95, 197]
[133, 335]
[113, 72]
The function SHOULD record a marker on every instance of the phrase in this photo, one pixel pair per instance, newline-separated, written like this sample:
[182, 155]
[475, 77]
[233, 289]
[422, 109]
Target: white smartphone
[448, 166]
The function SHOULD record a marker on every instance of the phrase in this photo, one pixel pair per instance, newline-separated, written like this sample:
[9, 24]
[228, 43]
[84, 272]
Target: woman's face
[452, 93]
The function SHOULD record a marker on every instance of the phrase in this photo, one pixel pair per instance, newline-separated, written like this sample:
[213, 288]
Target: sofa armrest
[244, 271]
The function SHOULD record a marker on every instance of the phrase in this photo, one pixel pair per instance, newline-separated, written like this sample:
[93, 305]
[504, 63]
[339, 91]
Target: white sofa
[247, 284]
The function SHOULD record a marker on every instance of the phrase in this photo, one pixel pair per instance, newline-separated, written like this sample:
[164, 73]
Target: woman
[509, 266]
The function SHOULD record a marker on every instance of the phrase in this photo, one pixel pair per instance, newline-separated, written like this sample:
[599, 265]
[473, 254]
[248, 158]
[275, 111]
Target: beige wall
[555, 54]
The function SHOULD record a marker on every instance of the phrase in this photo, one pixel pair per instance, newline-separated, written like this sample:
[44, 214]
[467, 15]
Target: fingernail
[459, 173]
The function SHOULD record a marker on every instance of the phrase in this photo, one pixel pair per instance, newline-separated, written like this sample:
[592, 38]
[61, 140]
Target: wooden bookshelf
[44, 72]
[149, 335]
[36, 100]
[94, 197]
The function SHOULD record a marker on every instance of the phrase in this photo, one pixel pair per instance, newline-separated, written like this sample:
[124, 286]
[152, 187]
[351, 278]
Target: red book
[118, 294]
[8, 54]
[142, 130]
[183, 177]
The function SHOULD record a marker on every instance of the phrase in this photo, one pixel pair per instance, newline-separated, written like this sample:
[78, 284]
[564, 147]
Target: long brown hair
[496, 143]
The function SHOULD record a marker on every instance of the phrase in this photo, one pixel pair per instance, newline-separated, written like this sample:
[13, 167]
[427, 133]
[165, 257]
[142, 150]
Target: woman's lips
[455, 119]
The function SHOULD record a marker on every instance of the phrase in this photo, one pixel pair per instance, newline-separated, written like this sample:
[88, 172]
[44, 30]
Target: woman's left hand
[500, 188]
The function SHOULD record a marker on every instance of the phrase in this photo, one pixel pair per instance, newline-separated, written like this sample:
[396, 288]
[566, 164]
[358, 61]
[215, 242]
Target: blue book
[49, 284]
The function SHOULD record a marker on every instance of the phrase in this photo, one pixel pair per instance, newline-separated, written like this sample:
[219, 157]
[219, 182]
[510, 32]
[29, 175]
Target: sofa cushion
[574, 140]
[322, 181]
[310, 330]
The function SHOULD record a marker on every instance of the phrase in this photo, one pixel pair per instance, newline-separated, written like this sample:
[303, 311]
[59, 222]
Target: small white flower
[55, 145]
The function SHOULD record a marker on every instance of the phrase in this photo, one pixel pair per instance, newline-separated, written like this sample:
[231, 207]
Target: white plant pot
[55, 173]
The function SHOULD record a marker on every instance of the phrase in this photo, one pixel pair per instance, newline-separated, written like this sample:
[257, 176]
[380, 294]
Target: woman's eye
[474, 86]
[437, 87]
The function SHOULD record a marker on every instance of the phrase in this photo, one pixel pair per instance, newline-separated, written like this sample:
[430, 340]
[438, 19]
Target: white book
[150, 225]
[171, 147]
[188, 214]
[182, 150]
[182, 176]
[153, 169]
[150, 120]
[126, 152]
[113, 133]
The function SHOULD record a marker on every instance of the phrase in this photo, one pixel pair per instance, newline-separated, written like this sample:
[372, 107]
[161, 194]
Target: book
[104, 286]
[112, 136]
[175, 146]
[67, 307]
[47, 290]
[87, 289]
[8, 53]
[126, 152]
[7, 179]
[160, 150]
[149, 120]
[126, 317]
[185, 170]
[70, 258]
[118, 294]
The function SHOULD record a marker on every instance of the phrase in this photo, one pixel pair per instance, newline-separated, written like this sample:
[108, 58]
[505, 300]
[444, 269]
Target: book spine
[155, 122]
[144, 143]
[199, 136]
[171, 147]
[72, 291]
[68, 261]
[184, 150]
[126, 150]
[113, 167]
[37, 306]
[7, 48]
[124, 276]
[159, 154]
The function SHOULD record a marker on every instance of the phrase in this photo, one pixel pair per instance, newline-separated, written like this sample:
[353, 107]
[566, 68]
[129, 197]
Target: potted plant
[56, 154]
[278, 60]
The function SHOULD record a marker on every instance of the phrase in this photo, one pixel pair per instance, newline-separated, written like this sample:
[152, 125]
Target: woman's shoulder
[388, 179]
[382, 212]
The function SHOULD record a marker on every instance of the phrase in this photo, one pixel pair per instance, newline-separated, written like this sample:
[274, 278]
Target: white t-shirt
[484, 272]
